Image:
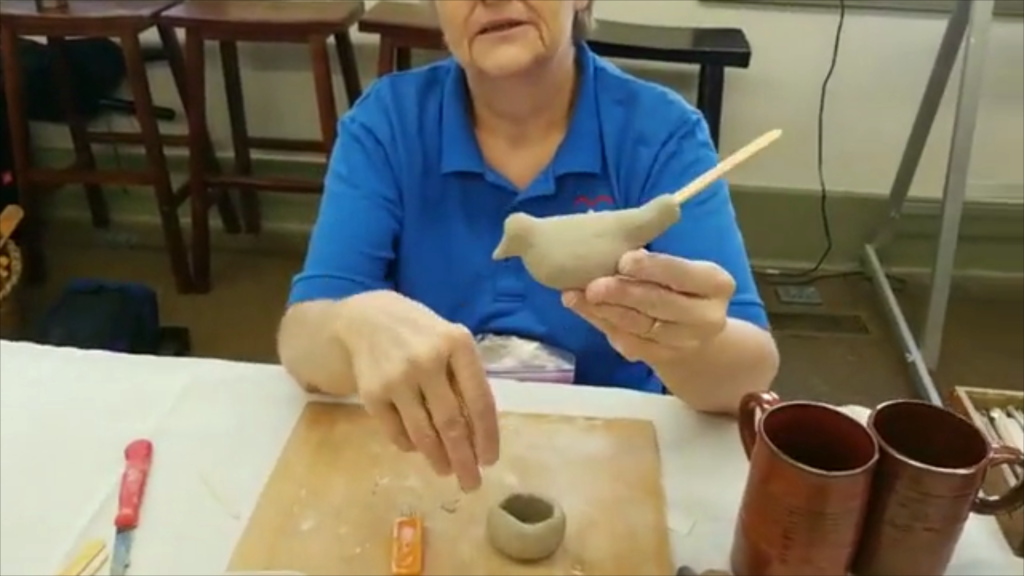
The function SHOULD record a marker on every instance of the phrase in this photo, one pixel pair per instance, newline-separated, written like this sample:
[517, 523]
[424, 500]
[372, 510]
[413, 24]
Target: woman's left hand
[658, 307]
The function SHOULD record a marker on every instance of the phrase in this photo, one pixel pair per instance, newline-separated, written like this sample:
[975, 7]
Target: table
[218, 427]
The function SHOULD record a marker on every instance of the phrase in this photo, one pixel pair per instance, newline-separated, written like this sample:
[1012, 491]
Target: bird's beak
[502, 251]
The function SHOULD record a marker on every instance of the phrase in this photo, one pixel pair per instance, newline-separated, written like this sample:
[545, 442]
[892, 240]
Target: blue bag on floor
[103, 315]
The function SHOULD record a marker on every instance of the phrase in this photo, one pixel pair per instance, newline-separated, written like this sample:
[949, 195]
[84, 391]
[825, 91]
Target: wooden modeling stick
[738, 157]
[568, 252]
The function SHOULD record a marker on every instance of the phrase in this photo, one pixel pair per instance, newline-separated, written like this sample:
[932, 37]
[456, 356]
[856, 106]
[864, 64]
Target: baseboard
[782, 227]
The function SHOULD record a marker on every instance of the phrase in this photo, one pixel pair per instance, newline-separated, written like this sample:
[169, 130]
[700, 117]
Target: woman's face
[505, 37]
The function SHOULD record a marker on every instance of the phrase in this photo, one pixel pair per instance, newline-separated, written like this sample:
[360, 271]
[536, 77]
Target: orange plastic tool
[407, 545]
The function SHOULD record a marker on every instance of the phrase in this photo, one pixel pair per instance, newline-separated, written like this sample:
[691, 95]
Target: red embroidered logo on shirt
[593, 202]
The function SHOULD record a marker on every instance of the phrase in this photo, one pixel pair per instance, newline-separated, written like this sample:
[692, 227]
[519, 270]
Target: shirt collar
[579, 152]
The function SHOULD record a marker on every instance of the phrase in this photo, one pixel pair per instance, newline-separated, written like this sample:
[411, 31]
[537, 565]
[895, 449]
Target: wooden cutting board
[329, 504]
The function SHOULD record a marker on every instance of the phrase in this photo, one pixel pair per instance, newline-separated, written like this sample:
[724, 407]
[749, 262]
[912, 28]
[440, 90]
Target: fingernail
[629, 260]
[569, 299]
[487, 462]
[471, 485]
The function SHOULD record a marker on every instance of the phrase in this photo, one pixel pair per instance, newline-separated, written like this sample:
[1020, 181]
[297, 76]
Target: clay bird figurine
[588, 245]
[571, 251]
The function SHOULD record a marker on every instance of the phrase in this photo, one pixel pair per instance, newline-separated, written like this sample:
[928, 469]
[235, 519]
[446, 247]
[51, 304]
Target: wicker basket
[10, 306]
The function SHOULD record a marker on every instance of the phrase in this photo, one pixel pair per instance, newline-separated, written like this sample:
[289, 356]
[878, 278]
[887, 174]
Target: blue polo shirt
[410, 205]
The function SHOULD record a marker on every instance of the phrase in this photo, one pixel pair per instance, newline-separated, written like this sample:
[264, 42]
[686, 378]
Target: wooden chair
[230, 22]
[124, 20]
[404, 26]
[711, 49]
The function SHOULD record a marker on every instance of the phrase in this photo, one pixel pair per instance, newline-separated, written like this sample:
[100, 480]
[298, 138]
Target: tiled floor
[237, 320]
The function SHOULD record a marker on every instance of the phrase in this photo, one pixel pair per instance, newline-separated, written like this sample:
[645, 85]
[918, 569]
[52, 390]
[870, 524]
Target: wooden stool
[401, 28]
[230, 22]
[405, 26]
[124, 20]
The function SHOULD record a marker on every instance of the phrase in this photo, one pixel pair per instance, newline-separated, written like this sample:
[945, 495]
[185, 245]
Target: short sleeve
[353, 240]
[708, 230]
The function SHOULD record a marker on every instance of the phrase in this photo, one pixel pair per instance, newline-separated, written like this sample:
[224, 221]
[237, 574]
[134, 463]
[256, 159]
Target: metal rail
[968, 26]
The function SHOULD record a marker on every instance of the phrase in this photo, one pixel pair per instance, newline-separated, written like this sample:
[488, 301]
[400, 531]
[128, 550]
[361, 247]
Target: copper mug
[930, 471]
[811, 467]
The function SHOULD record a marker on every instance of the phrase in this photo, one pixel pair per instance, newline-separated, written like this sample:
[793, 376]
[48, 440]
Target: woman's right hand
[420, 376]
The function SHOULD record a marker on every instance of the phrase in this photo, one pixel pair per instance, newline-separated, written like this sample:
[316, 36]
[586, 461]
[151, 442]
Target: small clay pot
[526, 527]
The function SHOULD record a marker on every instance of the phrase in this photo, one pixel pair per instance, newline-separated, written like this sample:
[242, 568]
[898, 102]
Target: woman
[428, 164]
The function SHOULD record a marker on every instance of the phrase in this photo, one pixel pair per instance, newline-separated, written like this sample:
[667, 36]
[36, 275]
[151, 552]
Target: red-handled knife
[138, 456]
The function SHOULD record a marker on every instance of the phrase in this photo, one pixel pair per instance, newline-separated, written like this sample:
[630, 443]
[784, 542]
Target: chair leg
[176, 61]
[139, 81]
[198, 134]
[349, 67]
[403, 58]
[386, 50]
[31, 228]
[710, 90]
[324, 87]
[239, 133]
[84, 157]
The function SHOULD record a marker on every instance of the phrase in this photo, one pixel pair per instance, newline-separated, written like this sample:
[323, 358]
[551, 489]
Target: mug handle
[752, 406]
[1012, 498]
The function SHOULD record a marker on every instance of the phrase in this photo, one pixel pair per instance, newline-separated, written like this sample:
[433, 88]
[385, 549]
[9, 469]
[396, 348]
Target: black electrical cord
[826, 224]
[808, 275]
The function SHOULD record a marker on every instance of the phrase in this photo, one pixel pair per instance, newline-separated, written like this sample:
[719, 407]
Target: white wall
[883, 65]
[884, 62]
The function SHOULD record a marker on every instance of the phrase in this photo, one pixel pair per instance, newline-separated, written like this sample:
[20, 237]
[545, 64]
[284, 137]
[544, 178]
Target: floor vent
[818, 324]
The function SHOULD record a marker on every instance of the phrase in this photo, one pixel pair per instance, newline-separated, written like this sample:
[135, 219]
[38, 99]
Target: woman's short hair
[583, 23]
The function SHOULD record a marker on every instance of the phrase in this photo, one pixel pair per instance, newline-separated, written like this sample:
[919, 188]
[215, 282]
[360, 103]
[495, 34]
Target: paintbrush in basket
[1008, 432]
[1017, 415]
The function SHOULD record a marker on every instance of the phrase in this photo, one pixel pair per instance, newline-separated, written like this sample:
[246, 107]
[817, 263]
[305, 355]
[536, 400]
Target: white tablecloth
[218, 427]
